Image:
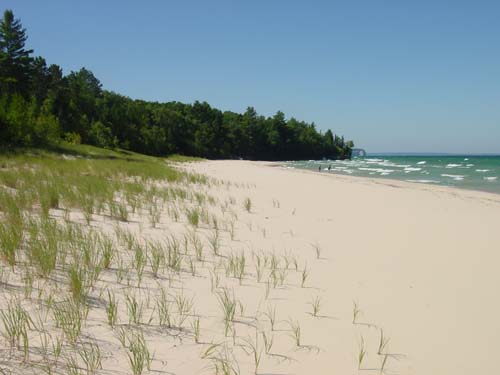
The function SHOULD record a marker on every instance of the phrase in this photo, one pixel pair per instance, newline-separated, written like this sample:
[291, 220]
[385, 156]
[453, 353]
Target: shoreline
[487, 195]
[254, 268]
[419, 262]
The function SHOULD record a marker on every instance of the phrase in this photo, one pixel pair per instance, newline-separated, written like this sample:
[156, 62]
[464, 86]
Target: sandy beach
[258, 269]
[250, 188]
[420, 262]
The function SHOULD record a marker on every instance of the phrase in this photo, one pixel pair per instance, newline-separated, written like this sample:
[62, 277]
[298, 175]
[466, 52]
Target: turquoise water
[466, 172]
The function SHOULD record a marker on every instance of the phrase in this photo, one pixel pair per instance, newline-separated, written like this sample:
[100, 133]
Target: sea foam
[425, 181]
[456, 177]
[410, 169]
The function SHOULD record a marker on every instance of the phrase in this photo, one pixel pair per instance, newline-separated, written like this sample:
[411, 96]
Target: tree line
[39, 105]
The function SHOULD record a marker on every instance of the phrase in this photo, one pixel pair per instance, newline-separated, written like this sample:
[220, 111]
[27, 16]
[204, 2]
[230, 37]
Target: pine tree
[15, 60]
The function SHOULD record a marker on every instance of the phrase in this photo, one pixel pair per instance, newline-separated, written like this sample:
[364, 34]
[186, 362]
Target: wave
[426, 181]
[379, 170]
[456, 177]
[484, 173]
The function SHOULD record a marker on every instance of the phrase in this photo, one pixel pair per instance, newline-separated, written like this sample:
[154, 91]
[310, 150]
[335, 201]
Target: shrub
[73, 138]
[100, 135]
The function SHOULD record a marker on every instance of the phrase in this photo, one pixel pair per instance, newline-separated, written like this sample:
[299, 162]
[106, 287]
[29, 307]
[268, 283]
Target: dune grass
[228, 304]
[361, 352]
[295, 331]
[50, 202]
[247, 204]
[315, 306]
[383, 342]
[271, 315]
[16, 322]
[139, 356]
[110, 239]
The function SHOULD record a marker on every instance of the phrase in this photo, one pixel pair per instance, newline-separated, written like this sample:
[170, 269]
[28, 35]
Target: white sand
[421, 262]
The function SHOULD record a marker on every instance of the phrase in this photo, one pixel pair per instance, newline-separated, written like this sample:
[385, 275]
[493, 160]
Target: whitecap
[425, 181]
[453, 176]
[373, 170]
[490, 178]
[452, 165]
[482, 170]
[409, 169]
[421, 162]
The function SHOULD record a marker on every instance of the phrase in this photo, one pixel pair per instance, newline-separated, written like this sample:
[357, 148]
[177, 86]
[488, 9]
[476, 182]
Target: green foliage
[138, 354]
[43, 246]
[193, 216]
[77, 283]
[15, 60]
[228, 304]
[176, 158]
[10, 240]
[16, 322]
[112, 309]
[24, 123]
[38, 103]
[73, 138]
[101, 135]
[70, 316]
[90, 355]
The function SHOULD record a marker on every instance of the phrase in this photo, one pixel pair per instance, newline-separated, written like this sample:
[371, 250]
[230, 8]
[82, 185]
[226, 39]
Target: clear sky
[393, 75]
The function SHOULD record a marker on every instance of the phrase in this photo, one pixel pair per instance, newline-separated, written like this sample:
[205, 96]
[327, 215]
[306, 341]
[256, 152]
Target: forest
[40, 106]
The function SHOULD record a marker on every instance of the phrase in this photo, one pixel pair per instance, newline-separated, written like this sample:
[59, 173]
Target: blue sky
[392, 75]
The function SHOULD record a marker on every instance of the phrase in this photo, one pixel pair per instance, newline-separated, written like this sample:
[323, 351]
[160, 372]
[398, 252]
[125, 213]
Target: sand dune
[420, 261]
[313, 270]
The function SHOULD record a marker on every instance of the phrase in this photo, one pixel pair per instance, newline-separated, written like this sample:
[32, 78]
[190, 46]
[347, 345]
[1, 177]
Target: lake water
[466, 172]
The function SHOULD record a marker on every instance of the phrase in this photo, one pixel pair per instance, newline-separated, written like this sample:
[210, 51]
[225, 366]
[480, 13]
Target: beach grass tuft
[247, 204]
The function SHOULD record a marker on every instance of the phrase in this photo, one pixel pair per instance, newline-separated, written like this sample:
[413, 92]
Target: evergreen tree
[38, 104]
[15, 60]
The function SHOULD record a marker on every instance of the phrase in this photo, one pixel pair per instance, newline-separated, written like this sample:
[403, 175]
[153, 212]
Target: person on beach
[319, 168]
[329, 168]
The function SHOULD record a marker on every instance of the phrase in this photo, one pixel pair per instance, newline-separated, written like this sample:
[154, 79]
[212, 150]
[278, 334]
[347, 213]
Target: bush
[73, 138]
[100, 135]
[24, 123]
[46, 127]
